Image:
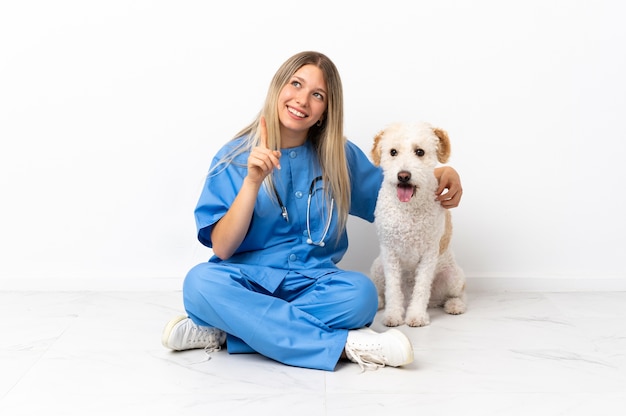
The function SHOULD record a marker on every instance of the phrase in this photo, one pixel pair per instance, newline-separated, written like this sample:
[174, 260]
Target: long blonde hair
[327, 138]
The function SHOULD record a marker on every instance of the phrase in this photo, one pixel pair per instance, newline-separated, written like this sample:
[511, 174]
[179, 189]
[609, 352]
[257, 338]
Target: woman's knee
[360, 298]
[364, 292]
[200, 286]
[195, 282]
[197, 277]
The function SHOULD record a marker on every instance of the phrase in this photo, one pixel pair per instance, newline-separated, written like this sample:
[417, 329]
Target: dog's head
[408, 154]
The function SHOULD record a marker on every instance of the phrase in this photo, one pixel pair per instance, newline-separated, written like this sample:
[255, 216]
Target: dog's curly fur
[416, 268]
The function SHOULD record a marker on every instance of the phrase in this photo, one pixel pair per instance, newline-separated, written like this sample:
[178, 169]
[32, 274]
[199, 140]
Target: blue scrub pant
[304, 323]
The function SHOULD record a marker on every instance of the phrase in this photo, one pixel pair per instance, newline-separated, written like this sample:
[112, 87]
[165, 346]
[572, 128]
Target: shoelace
[365, 359]
[202, 335]
[208, 350]
[211, 337]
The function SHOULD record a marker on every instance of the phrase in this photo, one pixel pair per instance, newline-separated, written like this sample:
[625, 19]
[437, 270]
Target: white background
[110, 112]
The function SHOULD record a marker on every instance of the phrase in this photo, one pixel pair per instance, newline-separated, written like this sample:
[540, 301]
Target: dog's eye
[393, 152]
[419, 152]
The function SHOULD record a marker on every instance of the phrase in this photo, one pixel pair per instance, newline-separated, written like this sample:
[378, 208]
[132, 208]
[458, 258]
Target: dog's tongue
[405, 192]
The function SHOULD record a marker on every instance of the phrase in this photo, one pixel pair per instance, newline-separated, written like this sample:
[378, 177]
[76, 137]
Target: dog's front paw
[417, 319]
[392, 320]
[454, 306]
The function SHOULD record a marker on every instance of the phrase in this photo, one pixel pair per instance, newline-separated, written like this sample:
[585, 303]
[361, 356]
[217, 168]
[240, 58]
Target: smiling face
[301, 103]
[408, 154]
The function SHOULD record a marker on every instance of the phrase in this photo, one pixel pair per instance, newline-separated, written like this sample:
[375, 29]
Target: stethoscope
[285, 214]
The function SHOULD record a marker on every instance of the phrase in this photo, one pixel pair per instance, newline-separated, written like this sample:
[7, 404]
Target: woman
[274, 210]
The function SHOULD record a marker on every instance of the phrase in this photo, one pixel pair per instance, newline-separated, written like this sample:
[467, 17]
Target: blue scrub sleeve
[219, 192]
[365, 179]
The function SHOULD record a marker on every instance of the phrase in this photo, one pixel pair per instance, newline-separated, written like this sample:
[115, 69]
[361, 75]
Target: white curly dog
[416, 268]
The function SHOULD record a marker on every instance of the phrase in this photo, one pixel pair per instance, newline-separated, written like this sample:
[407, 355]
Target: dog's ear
[443, 149]
[376, 149]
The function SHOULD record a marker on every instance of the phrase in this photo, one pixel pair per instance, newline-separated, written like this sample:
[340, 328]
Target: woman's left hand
[450, 190]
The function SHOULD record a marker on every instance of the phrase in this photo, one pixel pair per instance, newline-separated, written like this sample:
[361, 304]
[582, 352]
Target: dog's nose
[404, 176]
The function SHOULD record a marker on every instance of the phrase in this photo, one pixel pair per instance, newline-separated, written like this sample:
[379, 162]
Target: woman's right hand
[262, 160]
[231, 229]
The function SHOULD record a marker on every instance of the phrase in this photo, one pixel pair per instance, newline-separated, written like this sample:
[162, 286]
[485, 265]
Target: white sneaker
[182, 334]
[372, 350]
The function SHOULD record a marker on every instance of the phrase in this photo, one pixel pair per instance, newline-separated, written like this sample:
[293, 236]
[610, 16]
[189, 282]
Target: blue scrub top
[274, 247]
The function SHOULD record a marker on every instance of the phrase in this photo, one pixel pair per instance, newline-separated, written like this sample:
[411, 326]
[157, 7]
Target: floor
[512, 353]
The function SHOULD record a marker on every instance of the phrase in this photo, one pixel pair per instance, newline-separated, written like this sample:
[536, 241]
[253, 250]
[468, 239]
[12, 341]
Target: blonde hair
[327, 138]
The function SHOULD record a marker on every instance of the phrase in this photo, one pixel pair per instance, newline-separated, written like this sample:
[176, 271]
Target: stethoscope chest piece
[321, 243]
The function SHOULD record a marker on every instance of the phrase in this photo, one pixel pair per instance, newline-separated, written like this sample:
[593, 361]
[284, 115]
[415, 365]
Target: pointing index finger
[274, 153]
